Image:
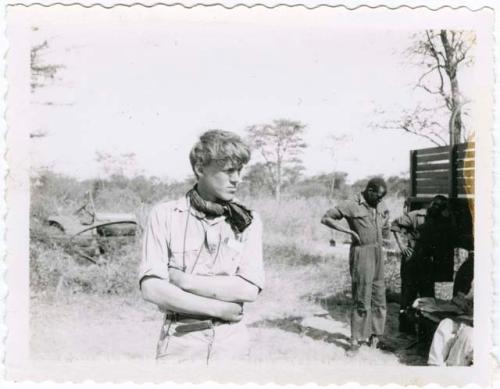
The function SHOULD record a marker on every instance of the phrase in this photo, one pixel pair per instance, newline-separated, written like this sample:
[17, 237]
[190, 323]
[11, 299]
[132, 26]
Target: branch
[438, 136]
[426, 74]
[422, 135]
[435, 54]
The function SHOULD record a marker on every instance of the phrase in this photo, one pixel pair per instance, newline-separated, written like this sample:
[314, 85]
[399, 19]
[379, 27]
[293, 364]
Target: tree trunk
[332, 186]
[456, 114]
[278, 182]
[455, 123]
[278, 172]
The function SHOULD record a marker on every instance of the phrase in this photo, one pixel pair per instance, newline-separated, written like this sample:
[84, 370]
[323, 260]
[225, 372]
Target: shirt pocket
[361, 217]
[230, 257]
[184, 253]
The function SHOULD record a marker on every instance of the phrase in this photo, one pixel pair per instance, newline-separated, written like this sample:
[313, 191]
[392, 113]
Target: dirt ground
[302, 315]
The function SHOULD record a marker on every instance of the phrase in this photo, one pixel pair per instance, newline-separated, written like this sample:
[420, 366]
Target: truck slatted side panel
[443, 170]
[465, 167]
[448, 171]
[431, 171]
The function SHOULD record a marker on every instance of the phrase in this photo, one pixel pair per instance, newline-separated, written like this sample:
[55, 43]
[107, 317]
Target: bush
[293, 235]
[54, 269]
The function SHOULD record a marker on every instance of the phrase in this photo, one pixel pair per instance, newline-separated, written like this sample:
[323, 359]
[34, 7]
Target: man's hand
[407, 252]
[178, 278]
[355, 237]
[233, 313]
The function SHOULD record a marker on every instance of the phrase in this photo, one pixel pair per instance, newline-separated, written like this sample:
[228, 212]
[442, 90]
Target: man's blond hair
[225, 147]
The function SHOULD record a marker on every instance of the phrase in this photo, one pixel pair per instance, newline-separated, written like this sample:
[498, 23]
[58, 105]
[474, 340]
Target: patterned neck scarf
[236, 215]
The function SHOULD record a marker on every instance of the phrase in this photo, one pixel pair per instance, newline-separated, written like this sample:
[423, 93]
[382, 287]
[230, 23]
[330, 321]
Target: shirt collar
[380, 206]
[362, 201]
[184, 205]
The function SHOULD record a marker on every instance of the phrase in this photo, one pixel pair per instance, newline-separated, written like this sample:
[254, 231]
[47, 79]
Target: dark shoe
[406, 325]
[352, 350]
[403, 321]
[374, 341]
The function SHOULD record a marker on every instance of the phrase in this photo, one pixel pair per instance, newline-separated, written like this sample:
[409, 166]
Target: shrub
[55, 269]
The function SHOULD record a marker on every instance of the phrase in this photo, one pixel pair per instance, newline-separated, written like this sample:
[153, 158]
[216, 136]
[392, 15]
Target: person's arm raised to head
[154, 277]
[244, 286]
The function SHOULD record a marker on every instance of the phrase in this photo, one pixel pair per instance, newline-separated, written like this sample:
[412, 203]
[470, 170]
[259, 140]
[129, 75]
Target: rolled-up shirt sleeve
[155, 253]
[339, 211]
[404, 221]
[251, 267]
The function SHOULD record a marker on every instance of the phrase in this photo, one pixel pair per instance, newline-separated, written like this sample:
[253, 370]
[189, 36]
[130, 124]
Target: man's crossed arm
[223, 288]
[170, 297]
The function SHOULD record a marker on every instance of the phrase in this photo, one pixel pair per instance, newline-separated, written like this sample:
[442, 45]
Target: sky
[149, 84]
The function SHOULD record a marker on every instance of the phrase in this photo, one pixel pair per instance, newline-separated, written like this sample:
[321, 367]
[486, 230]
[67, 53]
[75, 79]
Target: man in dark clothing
[368, 221]
[426, 239]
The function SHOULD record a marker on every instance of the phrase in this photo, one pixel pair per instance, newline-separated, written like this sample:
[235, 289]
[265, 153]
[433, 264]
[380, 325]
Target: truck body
[448, 171]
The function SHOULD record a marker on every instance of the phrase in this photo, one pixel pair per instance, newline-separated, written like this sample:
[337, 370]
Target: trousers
[451, 345]
[416, 279]
[221, 341]
[368, 313]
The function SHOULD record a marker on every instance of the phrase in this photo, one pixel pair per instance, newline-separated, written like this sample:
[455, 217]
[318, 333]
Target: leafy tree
[280, 144]
[123, 164]
[258, 180]
[325, 185]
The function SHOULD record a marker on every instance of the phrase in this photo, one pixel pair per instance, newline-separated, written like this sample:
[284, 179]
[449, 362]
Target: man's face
[219, 180]
[374, 195]
[437, 207]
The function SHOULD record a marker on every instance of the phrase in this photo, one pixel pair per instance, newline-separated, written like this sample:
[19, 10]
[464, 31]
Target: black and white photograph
[283, 194]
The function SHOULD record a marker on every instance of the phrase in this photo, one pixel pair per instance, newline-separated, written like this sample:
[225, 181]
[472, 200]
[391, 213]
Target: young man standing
[202, 257]
[368, 226]
[426, 238]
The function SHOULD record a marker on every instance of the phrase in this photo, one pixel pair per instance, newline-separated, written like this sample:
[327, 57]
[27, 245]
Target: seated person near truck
[452, 341]
[426, 239]
[202, 257]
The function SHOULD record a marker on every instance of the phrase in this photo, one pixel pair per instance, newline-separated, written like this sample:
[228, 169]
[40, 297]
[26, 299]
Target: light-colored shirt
[178, 236]
[371, 224]
[409, 223]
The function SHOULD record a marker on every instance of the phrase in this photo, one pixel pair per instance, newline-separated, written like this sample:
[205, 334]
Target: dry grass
[305, 278]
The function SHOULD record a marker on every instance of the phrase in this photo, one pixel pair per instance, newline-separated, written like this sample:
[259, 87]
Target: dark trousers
[368, 312]
[416, 279]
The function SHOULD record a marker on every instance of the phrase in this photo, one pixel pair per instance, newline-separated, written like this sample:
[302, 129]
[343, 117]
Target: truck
[449, 171]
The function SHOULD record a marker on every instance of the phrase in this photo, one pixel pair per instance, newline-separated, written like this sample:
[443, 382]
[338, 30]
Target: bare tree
[280, 144]
[420, 121]
[41, 71]
[38, 134]
[441, 54]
